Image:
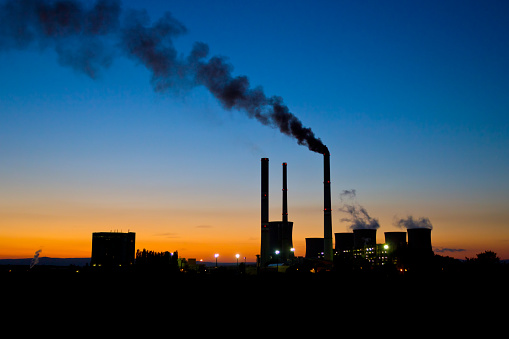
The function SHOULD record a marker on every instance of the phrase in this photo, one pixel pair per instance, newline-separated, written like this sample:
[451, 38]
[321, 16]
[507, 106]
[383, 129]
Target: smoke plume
[88, 38]
[410, 222]
[359, 217]
[35, 259]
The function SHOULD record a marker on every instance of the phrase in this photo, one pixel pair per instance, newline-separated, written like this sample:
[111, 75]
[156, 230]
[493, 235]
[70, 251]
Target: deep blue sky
[410, 97]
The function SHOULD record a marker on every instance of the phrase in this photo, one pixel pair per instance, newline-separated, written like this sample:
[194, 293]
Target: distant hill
[48, 261]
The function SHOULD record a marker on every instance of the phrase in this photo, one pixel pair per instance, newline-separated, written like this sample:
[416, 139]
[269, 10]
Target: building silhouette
[113, 249]
[276, 236]
[360, 247]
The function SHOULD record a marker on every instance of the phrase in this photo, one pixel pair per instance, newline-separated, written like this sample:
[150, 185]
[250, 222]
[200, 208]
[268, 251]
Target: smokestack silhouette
[327, 209]
[265, 190]
[285, 195]
[265, 229]
[88, 38]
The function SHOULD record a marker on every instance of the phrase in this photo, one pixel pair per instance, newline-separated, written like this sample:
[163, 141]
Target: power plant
[276, 236]
[360, 244]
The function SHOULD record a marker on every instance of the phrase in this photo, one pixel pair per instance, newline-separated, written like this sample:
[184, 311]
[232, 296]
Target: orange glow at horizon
[65, 231]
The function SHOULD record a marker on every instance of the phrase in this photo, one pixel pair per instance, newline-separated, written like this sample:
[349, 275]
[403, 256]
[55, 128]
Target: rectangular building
[113, 249]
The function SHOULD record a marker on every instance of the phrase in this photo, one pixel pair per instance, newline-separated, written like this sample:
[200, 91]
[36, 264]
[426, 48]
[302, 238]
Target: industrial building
[276, 236]
[113, 249]
[314, 248]
[361, 245]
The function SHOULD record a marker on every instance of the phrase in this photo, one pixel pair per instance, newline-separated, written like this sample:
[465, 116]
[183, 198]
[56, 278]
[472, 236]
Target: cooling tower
[314, 248]
[395, 240]
[364, 237]
[344, 242]
[419, 239]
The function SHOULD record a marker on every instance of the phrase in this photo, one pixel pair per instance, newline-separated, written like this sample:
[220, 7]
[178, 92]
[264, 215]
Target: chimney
[265, 230]
[265, 190]
[327, 213]
[285, 195]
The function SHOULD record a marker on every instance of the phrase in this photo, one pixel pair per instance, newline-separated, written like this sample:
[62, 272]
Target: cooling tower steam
[410, 223]
[359, 217]
[348, 194]
[88, 37]
[35, 259]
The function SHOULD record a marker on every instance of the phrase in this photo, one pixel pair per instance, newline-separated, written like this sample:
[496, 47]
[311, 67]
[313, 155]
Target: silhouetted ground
[60, 280]
[297, 302]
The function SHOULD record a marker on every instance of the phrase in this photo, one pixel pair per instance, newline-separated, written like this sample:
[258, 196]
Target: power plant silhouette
[358, 248]
[360, 245]
[276, 236]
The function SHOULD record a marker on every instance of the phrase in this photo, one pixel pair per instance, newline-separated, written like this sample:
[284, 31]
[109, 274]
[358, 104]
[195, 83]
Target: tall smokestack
[327, 212]
[285, 195]
[265, 190]
[265, 230]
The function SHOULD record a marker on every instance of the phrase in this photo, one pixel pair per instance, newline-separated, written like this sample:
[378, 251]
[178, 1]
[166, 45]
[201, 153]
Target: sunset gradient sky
[410, 97]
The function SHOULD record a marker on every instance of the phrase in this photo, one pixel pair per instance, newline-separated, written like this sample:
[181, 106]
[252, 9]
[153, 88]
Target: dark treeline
[152, 258]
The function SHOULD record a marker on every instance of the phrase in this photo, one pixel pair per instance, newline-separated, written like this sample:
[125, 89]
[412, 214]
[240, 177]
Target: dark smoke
[77, 34]
[88, 38]
[410, 222]
[358, 215]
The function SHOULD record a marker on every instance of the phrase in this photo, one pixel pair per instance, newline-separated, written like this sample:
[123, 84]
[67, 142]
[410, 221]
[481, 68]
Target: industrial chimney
[327, 212]
[265, 190]
[275, 235]
[265, 230]
[285, 195]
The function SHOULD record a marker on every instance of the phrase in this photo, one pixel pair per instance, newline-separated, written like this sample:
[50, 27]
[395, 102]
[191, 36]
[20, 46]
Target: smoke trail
[359, 217]
[77, 34]
[410, 222]
[35, 259]
[88, 39]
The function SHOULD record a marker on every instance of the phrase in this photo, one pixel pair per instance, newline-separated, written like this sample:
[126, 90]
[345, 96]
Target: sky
[410, 98]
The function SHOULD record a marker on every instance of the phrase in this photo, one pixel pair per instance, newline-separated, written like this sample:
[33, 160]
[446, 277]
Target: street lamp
[216, 255]
[277, 261]
[237, 256]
